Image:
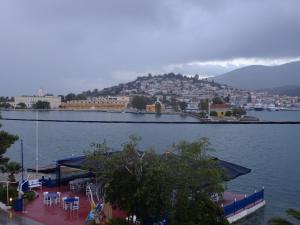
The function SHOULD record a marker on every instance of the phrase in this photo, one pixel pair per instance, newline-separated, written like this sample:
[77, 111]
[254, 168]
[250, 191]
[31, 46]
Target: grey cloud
[72, 45]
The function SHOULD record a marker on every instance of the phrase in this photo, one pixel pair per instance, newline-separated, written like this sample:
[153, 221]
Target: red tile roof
[219, 106]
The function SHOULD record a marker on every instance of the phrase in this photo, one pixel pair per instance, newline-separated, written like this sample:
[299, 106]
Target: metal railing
[244, 203]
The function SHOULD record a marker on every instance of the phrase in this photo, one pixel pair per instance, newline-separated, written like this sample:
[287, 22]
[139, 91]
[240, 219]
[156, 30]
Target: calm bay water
[271, 151]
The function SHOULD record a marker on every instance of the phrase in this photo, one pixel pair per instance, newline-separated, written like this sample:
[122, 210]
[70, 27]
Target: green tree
[228, 113]
[210, 214]
[21, 105]
[213, 113]
[6, 140]
[203, 105]
[12, 168]
[70, 97]
[183, 105]
[217, 100]
[249, 98]
[139, 102]
[238, 111]
[158, 108]
[148, 185]
[227, 99]
[5, 105]
[280, 221]
[174, 104]
[41, 105]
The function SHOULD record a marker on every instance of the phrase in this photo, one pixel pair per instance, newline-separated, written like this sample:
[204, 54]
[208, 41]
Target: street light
[22, 160]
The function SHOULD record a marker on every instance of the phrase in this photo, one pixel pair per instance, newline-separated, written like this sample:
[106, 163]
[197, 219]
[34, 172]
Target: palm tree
[12, 168]
[280, 221]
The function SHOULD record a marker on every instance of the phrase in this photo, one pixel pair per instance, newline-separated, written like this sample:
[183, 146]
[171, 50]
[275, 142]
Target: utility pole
[208, 109]
[37, 144]
[22, 160]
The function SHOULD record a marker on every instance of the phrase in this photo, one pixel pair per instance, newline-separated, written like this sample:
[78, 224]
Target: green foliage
[139, 102]
[21, 105]
[227, 99]
[158, 108]
[239, 111]
[202, 114]
[280, 221]
[217, 100]
[6, 99]
[30, 195]
[183, 105]
[12, 193]
[210, 214]
[174, 104]
[203, 105]
[12, 168]
[249, 98]
[228, 113]
[149, 184]
[213, 113]
[294, 213]
[41, 105]
[6, 140]
[5, 105]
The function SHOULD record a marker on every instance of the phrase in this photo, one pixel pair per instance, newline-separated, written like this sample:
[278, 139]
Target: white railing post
[234, 206]
[7, 197]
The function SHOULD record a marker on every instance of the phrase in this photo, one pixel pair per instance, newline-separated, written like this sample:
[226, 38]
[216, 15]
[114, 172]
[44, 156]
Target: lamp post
[22, 160]
[209, 109]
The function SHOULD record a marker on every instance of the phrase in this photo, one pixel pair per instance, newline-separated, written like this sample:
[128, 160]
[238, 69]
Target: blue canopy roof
[232, 170]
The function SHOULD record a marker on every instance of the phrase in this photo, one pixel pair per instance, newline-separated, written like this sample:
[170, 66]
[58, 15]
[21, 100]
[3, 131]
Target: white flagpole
[37, 144]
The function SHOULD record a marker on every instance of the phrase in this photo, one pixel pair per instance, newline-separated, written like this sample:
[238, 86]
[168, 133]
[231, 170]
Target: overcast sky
[70, 46]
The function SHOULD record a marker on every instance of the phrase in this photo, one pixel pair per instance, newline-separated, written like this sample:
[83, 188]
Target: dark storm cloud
[71, 45]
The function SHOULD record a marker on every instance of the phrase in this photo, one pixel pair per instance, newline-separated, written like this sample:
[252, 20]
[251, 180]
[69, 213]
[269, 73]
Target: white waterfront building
[29, 101]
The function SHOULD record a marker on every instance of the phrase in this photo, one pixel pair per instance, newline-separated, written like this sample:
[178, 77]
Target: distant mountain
[285, 90]
[262, 77]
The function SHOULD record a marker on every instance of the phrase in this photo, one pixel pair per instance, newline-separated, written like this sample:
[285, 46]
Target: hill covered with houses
[170, 86]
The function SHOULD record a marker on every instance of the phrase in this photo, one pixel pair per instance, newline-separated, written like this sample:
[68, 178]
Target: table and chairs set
[79, 185]
[54, 198]
[69, 203]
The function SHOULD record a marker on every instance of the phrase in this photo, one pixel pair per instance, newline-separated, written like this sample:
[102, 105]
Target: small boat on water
[271, 107]
[258, 107]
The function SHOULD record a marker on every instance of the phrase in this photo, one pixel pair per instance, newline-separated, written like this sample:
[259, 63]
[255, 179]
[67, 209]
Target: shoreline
[92, 110]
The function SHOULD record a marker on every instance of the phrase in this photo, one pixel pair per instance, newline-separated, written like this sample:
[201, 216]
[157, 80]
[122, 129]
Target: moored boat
[258, 107]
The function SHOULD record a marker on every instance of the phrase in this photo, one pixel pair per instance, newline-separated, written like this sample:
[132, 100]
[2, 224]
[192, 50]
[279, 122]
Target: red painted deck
[229, 197]
[55, 214]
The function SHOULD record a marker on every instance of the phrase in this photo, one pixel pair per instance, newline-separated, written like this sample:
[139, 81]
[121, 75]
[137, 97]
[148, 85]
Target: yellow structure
[221, 109]
[154, 107]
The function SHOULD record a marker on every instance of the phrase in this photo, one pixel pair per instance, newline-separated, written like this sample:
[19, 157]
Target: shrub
[213, 113]
[30, 195]
[228, 113]
[12, 193]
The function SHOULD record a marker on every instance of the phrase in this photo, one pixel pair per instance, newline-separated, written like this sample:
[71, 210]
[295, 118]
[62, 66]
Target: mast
[37, 143]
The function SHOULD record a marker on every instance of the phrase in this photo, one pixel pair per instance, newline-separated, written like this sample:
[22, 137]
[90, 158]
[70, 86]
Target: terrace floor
[55, 214]
[229, 197]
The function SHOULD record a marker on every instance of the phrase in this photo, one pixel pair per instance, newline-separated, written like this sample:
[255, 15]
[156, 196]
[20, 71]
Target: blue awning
[232, 170]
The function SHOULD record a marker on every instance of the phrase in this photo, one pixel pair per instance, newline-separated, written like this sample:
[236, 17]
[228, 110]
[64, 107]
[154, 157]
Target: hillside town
[170, 90]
